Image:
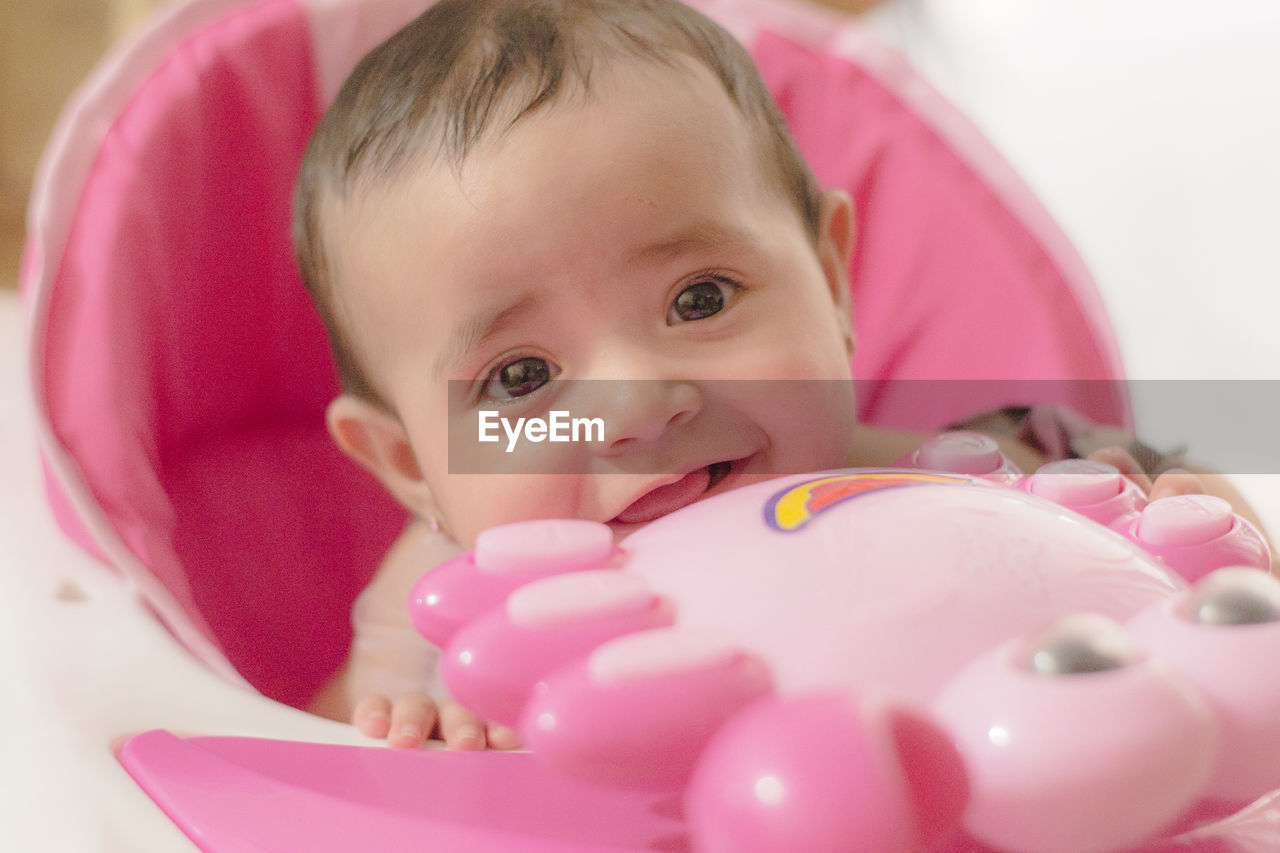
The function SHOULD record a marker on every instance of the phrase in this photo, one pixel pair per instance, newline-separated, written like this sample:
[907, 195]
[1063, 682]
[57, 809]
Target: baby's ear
[376, 439]
[836, 230]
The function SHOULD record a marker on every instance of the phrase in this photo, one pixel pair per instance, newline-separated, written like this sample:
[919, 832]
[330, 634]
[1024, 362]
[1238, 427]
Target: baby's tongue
[668, 498]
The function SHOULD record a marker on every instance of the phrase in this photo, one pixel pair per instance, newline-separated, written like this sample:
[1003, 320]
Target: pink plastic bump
[456, 592]
[1233, 596]
[1088, 749]
[1224, 636]
[658, 653]
[1075, 644]
[640, 731]
[763, 786]
[1076, 482]
[970, 453]
[1184, 520]
[960, 452]
[1096, 490]
[542, 546]
[493, 664]
[1195, 534]
[570, 598]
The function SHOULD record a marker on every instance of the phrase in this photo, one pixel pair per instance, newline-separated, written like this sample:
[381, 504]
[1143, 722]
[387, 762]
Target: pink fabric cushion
[187, 372]
[958, 305]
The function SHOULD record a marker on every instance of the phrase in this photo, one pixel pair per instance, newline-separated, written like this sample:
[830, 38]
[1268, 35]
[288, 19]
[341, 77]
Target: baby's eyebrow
[699, 236]
[473, 331]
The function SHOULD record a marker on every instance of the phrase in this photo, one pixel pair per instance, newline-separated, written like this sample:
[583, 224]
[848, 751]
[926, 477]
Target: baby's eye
[700, 300]
[518, 378]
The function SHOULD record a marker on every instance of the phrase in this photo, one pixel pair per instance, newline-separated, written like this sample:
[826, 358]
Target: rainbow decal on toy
[793, 508]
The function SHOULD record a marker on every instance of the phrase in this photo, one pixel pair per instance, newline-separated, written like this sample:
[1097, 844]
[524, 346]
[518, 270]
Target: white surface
[1149, 130]
[83, 664]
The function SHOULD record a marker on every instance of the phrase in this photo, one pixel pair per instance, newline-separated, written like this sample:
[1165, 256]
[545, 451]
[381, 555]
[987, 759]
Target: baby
[508, 198]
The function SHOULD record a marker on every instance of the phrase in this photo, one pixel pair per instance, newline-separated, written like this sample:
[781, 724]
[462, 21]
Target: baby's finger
[1125, 464]
[372, 716]
[1176, 481]
[413, 717]
[460, 728]
[503, 737]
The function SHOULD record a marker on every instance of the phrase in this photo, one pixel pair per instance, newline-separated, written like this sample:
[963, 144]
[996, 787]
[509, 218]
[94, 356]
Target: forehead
[649, 149]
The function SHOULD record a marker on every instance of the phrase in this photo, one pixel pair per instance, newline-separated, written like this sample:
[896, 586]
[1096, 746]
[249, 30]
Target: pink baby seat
[181, 375]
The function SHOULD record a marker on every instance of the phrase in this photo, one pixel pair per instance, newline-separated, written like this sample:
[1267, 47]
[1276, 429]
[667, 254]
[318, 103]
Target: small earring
[433, 524]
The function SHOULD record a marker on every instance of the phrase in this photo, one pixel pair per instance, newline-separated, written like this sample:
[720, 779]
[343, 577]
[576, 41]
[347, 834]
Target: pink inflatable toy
[889, 660]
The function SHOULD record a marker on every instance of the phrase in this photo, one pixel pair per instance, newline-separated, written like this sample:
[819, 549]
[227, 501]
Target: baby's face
[624, 255]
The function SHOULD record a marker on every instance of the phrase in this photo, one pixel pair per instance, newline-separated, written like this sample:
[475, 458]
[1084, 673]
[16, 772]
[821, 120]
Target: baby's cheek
[811, 356]
[823, 440]
[476, 502]
[810, 423]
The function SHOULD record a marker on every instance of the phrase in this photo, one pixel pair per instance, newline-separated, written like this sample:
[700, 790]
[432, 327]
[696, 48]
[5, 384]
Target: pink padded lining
[947, 283]
[183, 374]
[186, 370]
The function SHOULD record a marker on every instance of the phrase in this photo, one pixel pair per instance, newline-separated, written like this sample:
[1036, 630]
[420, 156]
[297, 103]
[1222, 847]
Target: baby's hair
[467, 68]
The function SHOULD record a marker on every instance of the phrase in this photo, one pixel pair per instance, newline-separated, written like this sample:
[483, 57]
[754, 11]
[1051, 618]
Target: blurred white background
[1151, 131]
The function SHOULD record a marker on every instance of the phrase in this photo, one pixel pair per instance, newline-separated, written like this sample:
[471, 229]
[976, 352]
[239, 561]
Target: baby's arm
[389, 659]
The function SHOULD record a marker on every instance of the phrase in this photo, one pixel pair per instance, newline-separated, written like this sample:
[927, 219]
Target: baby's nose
[643, 411]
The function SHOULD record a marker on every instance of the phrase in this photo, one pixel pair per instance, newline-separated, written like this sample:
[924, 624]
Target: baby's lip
[676, 492]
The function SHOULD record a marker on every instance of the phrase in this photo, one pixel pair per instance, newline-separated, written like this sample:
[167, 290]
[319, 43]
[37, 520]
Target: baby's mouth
[667, 499]
[716, 472]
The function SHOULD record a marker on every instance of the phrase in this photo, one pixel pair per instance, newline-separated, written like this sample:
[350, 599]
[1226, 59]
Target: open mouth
[716, 472]
[668, 498]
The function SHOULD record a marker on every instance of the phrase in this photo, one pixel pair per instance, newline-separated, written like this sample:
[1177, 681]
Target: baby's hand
[413, 718]
[1175, 481]
[1181, 481]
